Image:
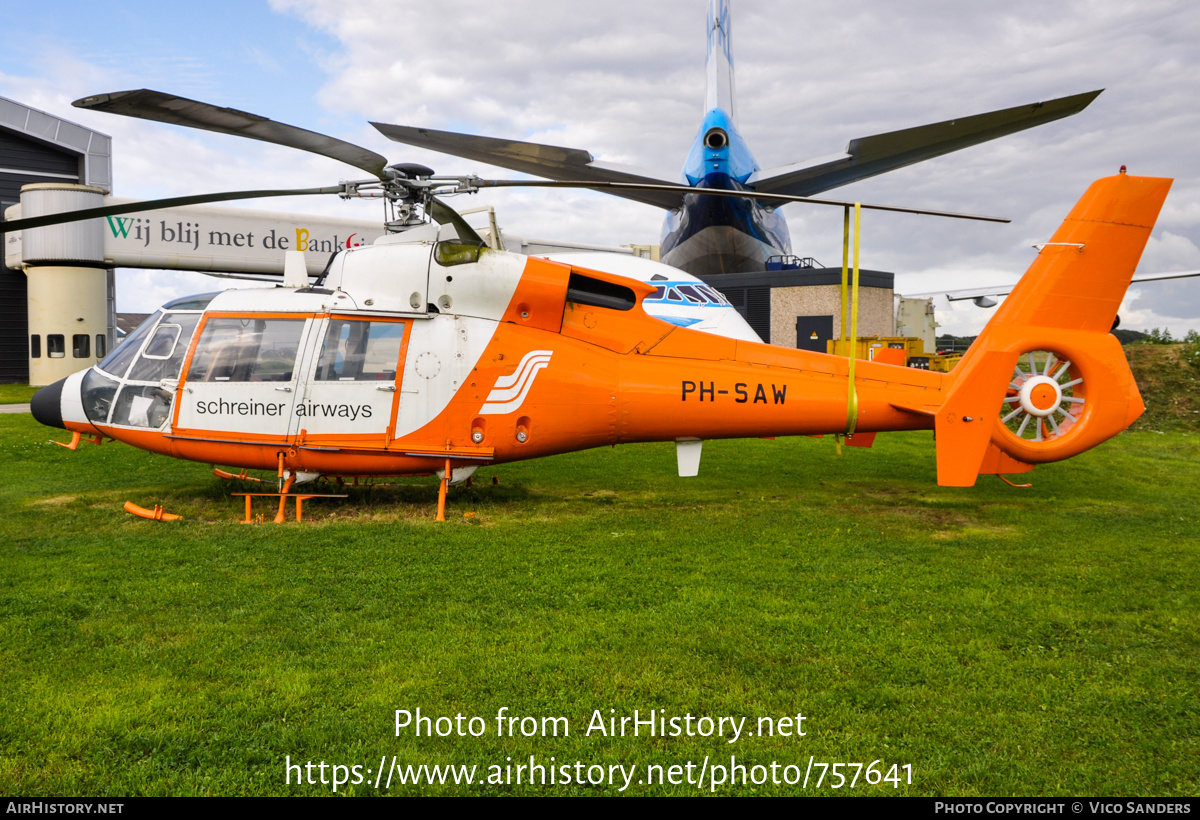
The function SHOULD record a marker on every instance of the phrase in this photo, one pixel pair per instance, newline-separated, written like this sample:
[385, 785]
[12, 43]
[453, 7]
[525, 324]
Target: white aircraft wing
[983, 296]
[868, 156]
[549, 161]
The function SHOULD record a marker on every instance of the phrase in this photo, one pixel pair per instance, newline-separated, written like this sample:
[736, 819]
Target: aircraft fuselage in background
[712, 235]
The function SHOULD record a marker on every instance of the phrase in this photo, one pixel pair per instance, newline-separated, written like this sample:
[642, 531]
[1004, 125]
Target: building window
[56, 347]
[35, 346]
[101, 345]
[81, 346]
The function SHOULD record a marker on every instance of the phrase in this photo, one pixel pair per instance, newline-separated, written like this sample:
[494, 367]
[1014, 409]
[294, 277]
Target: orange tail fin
[1046, 379]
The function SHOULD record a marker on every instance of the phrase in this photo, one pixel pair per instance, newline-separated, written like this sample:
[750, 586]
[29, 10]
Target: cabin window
[35, 346]
[56, 346]
[584, 290]
[357, 351]
[247, 350]
[81, 346]
[123, 354]
[163, 355]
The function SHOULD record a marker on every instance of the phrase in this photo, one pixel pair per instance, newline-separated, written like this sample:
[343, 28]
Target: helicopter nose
[46, 405]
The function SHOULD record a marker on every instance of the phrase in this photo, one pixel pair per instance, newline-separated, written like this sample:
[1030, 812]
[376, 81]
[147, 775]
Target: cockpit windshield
[689, 294]
[118, 361]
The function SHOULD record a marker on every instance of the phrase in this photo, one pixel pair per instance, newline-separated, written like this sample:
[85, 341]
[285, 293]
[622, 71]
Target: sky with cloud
[625, 80]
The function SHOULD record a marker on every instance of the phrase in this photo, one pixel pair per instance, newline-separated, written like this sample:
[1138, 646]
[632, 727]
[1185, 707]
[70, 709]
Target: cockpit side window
[691, 294]
[248, 349]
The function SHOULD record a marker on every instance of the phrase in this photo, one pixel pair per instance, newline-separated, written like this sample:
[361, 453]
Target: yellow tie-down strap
[851, 389]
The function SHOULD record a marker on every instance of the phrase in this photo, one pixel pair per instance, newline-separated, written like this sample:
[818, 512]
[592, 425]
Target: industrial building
[798, 305]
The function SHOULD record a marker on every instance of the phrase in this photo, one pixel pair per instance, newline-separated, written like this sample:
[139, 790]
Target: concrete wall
[875, 317]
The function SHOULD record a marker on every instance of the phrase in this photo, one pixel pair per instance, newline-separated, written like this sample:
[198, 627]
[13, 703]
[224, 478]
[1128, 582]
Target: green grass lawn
[999, 641]
[16, 393]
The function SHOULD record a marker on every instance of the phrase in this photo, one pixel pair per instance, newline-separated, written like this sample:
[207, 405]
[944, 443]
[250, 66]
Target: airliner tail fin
[719, 64]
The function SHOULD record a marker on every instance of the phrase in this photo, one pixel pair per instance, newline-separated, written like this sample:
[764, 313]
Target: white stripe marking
[506, 393]
[510, 391]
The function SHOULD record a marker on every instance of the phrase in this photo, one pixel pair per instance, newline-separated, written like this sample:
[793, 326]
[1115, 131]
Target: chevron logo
[510, 391]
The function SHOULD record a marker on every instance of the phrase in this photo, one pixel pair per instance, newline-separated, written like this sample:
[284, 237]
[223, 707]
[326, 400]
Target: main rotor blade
[866, 157]
[153, 205]
[743, 194]
[155, 105]
[535, 159]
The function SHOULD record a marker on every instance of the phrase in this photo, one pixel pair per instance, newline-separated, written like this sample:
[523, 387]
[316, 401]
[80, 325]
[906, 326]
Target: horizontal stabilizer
[869, 156]
[917, 409]
[549, 161]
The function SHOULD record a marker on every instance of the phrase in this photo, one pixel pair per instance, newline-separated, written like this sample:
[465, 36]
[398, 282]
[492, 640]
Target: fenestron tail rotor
[1046, 397]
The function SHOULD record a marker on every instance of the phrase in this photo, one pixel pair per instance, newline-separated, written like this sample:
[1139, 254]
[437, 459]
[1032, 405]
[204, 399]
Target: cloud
[625, 82]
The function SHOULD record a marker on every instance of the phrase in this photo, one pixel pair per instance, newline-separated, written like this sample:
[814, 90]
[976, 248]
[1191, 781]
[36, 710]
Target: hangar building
[36, 147]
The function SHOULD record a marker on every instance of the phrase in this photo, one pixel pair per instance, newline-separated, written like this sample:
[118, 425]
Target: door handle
[284, 389]
[390, 388]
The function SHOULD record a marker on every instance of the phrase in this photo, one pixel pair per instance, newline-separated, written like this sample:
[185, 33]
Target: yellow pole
[852, 391]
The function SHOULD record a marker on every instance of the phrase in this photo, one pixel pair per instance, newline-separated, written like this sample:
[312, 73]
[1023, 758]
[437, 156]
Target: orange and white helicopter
[430, 352]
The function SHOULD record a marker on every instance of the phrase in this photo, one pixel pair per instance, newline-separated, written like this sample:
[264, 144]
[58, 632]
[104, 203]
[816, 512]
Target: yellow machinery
[866, 347]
